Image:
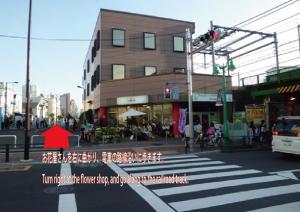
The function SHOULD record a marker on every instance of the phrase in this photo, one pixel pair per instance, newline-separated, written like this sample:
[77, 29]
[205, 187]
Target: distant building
[73, 109]
[13, 100]
[54, 105]
[34, 91]
[65, 104]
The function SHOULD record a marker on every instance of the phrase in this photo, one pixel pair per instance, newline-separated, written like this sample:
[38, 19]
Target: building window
[118, 71]
[84, 74]
[149, 40]
[88, 66]
[179, 70]
[98, 40]
[150, 70]
[118, 37]
[88, 89]
[178, 44]
[98, 74]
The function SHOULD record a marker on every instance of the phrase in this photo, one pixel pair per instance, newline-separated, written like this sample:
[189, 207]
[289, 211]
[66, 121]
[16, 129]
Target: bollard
[61, 150]
[7, 153]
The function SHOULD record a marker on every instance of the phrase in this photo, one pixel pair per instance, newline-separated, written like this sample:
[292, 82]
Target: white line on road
[173, 166]
[179, 156]
[177, 171]
[290, 207]
[224, 199]
[164, 162]
[217, 174]
[66, 202]
[216, 185]
[147, 195]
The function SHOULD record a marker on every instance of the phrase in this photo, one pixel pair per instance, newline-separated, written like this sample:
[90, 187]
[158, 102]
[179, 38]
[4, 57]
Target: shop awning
[289, 89]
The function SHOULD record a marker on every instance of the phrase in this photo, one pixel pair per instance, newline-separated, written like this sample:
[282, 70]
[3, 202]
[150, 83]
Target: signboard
[175, 92]
[255, 113]
[130, 100]
[209, 97]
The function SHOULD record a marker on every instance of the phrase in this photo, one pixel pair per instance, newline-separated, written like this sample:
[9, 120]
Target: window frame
[150, 67]
[84, 74]
[88, 66]
[112, 69]
[177, 68]
[145, 40]
[88, 89]
[174, 36]
[112, 36]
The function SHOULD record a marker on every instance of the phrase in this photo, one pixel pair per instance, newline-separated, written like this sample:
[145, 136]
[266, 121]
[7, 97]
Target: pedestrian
[251, 132]
[71, 123]
[37, 122]
[198, 131]
[187, 137]
[262, 131]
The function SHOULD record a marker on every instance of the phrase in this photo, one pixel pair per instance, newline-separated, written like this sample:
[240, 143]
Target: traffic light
[209, 36]
[167, 92]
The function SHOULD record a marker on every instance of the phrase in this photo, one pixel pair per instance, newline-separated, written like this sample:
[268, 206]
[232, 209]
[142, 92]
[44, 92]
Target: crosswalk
[213, 185]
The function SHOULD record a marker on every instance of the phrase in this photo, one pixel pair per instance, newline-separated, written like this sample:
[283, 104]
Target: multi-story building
[130, 60]
[13, 102]
[65, 104]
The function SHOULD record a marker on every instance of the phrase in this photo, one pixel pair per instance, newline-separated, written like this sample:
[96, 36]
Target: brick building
[129, 60]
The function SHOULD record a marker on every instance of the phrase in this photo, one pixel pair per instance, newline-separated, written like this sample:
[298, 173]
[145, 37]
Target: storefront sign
[130, 100]
[209, 97]
[255, 113]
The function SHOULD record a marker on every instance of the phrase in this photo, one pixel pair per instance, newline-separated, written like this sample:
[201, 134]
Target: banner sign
[182, 120]
[255, 113]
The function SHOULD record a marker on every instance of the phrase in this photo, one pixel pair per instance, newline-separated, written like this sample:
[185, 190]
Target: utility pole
[27, 124]
[190, 85]
[5, 106]
[276, 52]
[299, 36]
[212, 48]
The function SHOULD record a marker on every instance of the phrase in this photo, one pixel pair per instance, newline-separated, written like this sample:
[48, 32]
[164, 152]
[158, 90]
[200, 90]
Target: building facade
[132, 58]
[65, 104]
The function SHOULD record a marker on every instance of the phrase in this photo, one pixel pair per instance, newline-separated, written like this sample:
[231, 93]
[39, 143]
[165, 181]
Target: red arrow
[56, 137]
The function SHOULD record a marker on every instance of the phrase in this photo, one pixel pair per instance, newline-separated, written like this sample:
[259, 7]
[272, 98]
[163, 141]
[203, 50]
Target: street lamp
[230, 67]
[5, 109]
[84, 118]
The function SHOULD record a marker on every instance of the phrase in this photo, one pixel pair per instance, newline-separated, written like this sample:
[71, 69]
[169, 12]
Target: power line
[264, 67]
[257, 17]
[89, 40]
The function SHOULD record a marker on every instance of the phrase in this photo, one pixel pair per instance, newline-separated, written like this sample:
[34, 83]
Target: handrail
[13, 136]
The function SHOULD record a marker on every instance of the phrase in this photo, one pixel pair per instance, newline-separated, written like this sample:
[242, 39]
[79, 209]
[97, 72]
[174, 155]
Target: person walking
[187, 137]
[198, 133]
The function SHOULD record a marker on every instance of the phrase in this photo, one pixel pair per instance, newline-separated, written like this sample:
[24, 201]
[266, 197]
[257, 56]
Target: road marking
[216, 185]
[176, 171]
[173, 166]
[179, 156]
[65, 170]
[287, 174]
[66, 202]
[216, 175]
[163, 162]
[156, 203]
[290, 207]
[224, 199]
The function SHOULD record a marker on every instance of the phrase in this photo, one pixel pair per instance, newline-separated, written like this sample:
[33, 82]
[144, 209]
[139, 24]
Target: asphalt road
[244, 181]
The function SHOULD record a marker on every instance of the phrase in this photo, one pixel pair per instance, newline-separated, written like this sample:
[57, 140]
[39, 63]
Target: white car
[286, 135]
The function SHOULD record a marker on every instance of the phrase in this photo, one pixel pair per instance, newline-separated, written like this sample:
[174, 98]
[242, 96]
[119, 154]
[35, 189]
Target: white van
[286, 135]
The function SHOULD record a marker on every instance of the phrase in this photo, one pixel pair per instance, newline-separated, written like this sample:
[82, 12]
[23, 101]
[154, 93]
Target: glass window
[149, 40]
[88, 66]
[84, 74]
[118, 37]
[150, 70]
[178, 44]
[118, 71]
[88, 89]
[179, 70]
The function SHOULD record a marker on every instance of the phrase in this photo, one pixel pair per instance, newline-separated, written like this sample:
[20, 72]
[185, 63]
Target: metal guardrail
[41, 143]
[10, 136]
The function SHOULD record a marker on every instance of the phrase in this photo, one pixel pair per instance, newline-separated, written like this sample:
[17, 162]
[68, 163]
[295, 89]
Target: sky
[57, 67]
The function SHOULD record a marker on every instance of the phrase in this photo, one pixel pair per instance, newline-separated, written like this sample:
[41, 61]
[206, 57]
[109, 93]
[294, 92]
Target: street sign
[175, 92]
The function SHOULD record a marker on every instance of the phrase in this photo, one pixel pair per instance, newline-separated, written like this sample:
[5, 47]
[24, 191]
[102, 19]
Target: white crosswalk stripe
[163, 162]
[173, 166]
[224, 184]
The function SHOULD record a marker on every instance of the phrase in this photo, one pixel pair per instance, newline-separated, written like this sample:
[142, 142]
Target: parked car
[286, 135]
